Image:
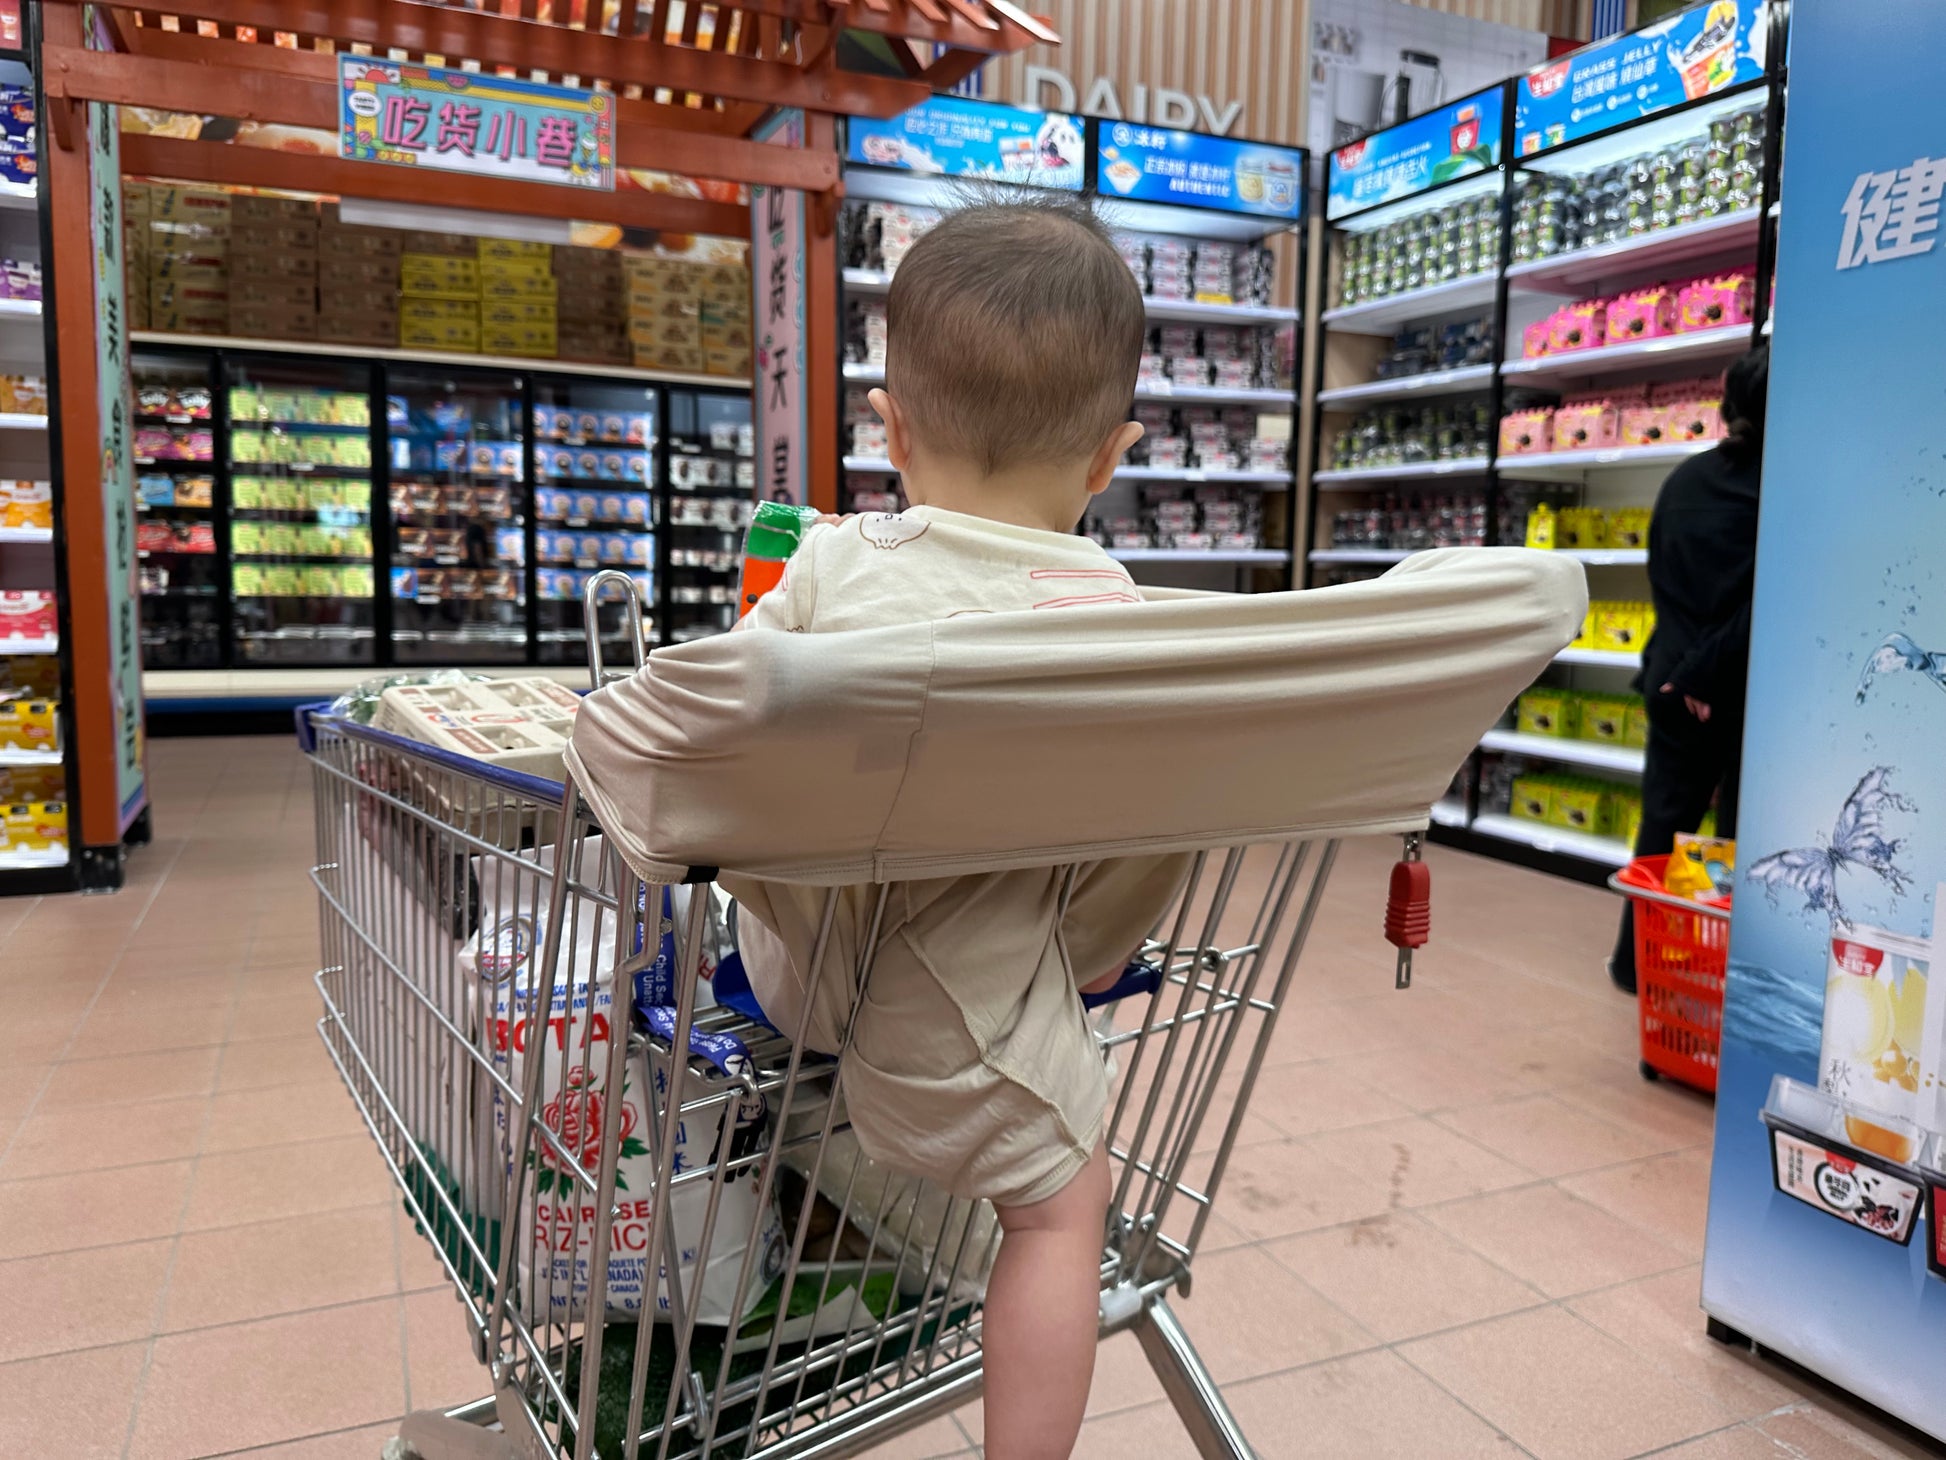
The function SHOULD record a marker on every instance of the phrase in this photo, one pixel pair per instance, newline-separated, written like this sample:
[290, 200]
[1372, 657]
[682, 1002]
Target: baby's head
[1014, 335]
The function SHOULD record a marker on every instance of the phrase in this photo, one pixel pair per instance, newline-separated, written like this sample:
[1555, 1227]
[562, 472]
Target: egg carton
[518, 724]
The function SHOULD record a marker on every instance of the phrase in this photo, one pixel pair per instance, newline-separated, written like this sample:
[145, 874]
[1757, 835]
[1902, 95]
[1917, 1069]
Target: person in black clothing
[1702, 564]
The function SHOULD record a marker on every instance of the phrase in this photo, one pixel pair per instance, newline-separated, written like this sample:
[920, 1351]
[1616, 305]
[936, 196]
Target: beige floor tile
[246, 1119]
[1248, 1316]
[107, 1296]
[91, 1208]
[1662, 1108]
[440, 1366]
[1154, 1433]
[1303, 1099]
[287, 1013]
[267, 1064]
[1667, 1195]
[20, 1087]
[1372, 1406]
[1554, 1241]
[929, 1442]
[279, 1379]
[1399, 1277]
[281, 1266]
[1418, 1161]
[1743, 1442]
[80, 1140]
[75, 1406]
[1548, 1136]
[128, 1079]
[358, 1444]
[1282, 1187]
[121, 1032]
[287, 1181]
[1661, 1319]
[1428, 1077]
[1817, 1432]
[1563, 1389]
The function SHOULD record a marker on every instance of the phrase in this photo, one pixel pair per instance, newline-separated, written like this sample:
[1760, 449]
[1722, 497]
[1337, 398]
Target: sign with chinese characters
[781, 414]
[961, 138]
[117, 474]
[1155, 165]
[1892, 214]
[1684, 58]
[463, 121]
[1452, 141]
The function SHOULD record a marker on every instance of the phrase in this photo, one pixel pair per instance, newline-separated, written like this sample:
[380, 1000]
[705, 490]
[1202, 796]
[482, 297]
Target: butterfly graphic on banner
[1896, 653]
[1858, 842]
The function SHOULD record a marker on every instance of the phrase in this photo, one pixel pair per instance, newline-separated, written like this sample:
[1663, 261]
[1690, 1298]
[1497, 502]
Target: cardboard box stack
[726, 321]
[358, 282]
[135, 253]
[592, 305]
[688, 316]
[439, 293]
[189, 260]
[517, 299]
[273, 268]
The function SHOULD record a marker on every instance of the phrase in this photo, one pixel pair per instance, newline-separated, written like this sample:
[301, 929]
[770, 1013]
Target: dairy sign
[462, 121]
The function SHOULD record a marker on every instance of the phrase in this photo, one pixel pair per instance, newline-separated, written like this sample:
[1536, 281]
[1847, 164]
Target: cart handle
[1714, 908]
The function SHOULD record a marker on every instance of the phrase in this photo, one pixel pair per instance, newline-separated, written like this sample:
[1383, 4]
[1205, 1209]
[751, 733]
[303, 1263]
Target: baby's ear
[898, 441]
[1101, 471]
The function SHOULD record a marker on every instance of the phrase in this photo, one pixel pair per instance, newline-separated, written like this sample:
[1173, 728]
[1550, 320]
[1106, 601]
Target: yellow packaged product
[506, 281]
[1541, 527]
[419, 311]
[1628, 527]
[30, 725]
[1586, 638]
[1626, 812]
[1552, 712]
[1635, 730]
[437, 276]
[1582, 805]
[1582, 527]
[458, 335]
[1605, 718]
[37, 826]
[1701, 866]
[1533, 798]
[517, 251]
[516, 313]
[1619, 628]
[29, 506]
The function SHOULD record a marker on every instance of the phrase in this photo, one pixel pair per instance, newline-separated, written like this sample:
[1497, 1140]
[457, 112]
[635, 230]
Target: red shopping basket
[1681, 949]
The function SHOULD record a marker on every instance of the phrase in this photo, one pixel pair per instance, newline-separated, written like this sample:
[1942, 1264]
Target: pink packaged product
[1587, 423]
[1534, 339]
[1644, 314]
[1692, 410]
[1718, 302]
[1644, 424]
[1578, 326]
[1523, 433]
[27, 616]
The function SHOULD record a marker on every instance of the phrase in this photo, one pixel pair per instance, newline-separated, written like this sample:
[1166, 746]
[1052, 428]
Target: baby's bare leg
[1042, 1307]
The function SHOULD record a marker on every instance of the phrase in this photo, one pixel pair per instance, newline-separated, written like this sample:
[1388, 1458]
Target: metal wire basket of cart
[663, 1238]
[1682, 950]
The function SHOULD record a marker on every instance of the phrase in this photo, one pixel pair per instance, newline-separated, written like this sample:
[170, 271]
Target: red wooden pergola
[693, 80]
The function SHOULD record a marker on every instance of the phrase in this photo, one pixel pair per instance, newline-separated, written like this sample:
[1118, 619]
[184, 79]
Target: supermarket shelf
[1607, 557]
[1360, 555]
[1571, 752]
[16, 421]
[26, 534]
[1199, 555]
[1411, 387]
[1553, 839]
[1181, 395]
[20, 309]
[24, 199]
[436, 357]
[1669, 350]
[1553, 466]
[29, 646]
[1599, 659]
[10, 757]
[1470, 466]
[1647, 253]
[882, 466]
[1188, 311]
[24, 860]
[1448, 813]
[1384, 316]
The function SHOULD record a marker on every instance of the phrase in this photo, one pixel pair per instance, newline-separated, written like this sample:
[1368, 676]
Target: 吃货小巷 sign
[463, 121]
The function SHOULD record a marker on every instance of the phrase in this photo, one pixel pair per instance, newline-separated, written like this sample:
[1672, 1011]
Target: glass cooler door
[457, 450]
[712, 471]
[594, 455]
[300, 447]
[176, 511]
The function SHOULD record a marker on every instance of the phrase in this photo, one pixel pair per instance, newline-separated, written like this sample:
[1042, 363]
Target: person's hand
[1699, 708]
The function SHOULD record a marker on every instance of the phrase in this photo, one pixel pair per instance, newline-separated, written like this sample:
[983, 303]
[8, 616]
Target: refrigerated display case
[299, 440]
[595, 448]
[457, 452]
[182, 573]
[709, 483]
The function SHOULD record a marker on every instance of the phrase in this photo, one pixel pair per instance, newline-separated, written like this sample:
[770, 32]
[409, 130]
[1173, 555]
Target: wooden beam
[296, 93]
[221, 162]
[562, 51]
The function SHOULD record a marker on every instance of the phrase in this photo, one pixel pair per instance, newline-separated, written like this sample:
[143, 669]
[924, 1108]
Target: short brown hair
[1014, 333]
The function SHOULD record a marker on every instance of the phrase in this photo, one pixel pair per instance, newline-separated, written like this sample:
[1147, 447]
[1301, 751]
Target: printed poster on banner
[1154, 164]
[1450, 142]
[959, 138]
[1827, 1228]
[463, 121]
[1685, 58]
[782, 413]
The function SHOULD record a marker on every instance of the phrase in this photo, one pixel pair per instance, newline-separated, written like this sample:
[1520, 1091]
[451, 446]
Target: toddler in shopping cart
[1014, 337]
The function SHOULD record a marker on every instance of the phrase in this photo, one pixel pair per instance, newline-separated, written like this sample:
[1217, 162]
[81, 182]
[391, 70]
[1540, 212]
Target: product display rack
[1520, 291]
[371, 514]
[1235, 491]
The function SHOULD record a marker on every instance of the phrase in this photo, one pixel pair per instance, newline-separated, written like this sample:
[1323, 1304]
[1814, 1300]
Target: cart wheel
[1649, 1071]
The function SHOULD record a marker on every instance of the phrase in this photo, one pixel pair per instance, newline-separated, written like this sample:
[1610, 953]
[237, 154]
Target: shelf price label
[462, 121]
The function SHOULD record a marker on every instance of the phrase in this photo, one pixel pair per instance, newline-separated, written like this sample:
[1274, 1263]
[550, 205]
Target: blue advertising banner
[1451, 141]
[1826, 1238]
[1687, 57]
[974, 139]
[1153, 164]
[464, 121]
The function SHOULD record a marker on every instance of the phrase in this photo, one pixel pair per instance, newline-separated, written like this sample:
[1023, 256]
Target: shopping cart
[1682, 949]
[570, 1127]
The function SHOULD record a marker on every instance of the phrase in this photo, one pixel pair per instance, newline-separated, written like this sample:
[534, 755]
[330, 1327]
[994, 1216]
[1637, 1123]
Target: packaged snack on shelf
[1586, 638]
[1542, 527]
[1625, 805]
[1536, 339]
[28, 505]
[27, 614]
[1636, 728]
[1644, 424]
[1718, 301]
[1552, 712]
[1621, 628]
[1642, 314]
[30, 725]
[1584, 805]
[1605, 717]
[1628, 527]
[1522, 433]
[1581, 527]
[1587, 423]
[1578, 326]
[36, 826]
[1533, 798]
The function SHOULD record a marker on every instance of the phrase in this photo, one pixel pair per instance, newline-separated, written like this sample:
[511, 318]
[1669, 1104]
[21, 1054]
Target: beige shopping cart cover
[1031, 739]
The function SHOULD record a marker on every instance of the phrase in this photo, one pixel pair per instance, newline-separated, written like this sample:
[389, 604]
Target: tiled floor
[1463, 1227]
